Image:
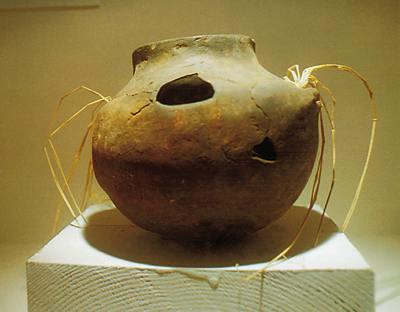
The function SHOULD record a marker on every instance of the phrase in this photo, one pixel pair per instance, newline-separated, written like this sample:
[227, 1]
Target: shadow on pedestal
[109, 232]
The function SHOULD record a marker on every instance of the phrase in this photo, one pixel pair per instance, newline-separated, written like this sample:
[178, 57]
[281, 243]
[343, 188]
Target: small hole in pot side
[185, 90]
[264, 151]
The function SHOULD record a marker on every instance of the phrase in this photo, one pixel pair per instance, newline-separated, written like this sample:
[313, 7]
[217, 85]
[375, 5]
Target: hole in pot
[185, 90]
[264, 151]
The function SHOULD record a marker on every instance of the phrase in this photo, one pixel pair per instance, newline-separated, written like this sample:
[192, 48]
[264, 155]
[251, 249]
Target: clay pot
[203, 143]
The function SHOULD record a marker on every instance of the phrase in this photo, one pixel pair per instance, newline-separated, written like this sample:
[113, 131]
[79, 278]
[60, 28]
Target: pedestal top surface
[108, 239]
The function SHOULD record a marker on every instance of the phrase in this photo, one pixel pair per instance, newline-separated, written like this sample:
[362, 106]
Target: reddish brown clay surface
[203, 143]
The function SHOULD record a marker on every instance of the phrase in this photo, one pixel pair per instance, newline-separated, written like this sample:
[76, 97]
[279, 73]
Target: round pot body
[203, 143]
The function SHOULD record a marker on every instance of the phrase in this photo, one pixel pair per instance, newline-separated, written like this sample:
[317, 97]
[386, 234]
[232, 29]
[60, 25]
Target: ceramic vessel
[203, 143]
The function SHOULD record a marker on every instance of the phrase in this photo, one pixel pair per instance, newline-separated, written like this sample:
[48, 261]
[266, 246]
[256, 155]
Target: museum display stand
[107, 264]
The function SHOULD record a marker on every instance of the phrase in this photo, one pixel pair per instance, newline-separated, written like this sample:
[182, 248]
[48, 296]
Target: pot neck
[237, 46]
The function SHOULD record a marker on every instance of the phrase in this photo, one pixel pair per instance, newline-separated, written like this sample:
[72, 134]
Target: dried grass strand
[66, 179]
[302, 81]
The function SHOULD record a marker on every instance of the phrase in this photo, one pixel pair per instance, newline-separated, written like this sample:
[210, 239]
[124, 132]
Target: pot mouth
[220, 43]
[211, 38]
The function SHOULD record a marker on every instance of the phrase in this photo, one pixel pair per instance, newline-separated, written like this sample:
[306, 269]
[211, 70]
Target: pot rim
[214, 42]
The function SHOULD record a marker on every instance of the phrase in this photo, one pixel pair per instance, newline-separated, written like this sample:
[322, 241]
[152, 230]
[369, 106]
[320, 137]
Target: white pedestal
[111, 265]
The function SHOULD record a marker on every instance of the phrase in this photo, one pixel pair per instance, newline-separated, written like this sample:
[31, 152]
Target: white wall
[45, 53]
